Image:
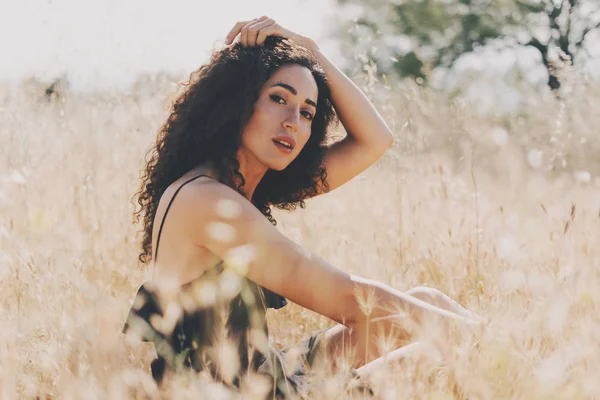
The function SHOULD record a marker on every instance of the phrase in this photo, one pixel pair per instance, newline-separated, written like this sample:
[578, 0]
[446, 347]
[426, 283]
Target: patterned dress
[219, 310]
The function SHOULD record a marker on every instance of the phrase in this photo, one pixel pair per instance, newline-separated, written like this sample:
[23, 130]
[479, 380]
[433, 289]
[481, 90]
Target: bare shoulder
[224, 222]
[208, 198]
[218, 217]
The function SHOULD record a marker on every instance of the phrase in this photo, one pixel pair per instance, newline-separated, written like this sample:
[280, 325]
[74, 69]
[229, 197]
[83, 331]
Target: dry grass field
[501, 213]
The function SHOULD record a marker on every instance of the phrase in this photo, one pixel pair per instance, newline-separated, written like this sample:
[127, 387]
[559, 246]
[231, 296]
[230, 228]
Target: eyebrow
[295, 92]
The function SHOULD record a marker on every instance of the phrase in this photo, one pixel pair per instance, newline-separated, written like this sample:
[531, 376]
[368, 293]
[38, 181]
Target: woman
[248, 133]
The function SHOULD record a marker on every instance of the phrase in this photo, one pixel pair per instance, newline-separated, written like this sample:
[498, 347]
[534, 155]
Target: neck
[252, 171]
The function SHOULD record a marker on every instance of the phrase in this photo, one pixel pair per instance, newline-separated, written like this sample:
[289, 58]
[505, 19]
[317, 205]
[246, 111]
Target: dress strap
[167, 210]
[273, 300]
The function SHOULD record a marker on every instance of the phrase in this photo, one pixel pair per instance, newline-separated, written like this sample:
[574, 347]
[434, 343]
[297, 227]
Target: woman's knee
[427, 294]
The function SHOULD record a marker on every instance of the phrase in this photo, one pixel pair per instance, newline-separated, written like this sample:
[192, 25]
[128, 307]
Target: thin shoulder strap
[167, 210]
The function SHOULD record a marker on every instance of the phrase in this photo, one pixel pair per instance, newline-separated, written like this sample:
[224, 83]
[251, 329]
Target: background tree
[411, 37]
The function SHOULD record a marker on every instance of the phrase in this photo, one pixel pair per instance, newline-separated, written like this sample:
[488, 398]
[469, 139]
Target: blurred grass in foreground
[501, 213]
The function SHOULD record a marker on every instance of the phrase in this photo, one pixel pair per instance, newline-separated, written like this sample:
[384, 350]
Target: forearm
[359, 116]
[386, 311]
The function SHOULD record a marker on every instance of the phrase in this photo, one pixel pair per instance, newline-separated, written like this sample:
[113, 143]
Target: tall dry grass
[499, 212]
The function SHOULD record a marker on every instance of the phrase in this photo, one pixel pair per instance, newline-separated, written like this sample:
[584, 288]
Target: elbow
[378, 147]
[360, 301]
[348, 311]
[386, 141]
[389, 142]
[390, 139]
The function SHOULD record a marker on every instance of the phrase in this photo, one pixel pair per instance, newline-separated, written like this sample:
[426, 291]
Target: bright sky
[106, 43]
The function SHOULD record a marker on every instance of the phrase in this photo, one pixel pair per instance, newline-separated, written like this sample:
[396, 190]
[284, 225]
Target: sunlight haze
[107, 43]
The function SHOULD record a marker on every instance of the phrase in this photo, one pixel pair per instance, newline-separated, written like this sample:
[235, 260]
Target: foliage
[439, 32]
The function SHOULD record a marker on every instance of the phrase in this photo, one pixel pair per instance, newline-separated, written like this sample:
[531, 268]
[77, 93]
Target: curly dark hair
[206, 123]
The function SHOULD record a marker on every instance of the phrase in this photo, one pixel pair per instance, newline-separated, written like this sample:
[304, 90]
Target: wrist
[307, 43]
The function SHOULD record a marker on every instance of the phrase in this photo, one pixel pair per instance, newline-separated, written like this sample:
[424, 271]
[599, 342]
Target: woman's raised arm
[368, 134]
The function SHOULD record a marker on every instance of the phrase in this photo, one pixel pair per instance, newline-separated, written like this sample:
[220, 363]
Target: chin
[279, 166]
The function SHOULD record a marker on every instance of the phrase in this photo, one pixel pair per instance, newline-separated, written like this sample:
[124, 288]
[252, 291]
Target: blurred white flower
[507, 247]
[500, 136]
[551, 371]
[205, 295]
[230, 284]
[535, 158]
[221, 231]
[229, 360]
[228, 209]
[583, 176]
[239, 258]
[555, 369]
[172, 314]
[18, 177]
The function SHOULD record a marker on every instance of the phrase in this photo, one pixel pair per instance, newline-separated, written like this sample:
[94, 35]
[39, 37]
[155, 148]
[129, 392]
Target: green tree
[437, 32]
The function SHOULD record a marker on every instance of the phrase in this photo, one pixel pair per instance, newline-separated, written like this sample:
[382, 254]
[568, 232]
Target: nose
[292, 121]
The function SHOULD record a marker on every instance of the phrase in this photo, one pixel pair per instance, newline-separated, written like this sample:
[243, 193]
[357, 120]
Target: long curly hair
[206, 124]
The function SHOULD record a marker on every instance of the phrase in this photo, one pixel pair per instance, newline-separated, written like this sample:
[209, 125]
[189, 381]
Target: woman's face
[281, 122]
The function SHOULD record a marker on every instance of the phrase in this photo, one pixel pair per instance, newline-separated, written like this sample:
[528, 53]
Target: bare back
[176, 258]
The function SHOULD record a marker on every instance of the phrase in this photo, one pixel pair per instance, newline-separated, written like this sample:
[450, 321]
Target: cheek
[256, 124]
[266, 108]
[264, 118]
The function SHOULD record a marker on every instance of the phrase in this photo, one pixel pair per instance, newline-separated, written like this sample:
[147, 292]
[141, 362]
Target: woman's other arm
[222, 221]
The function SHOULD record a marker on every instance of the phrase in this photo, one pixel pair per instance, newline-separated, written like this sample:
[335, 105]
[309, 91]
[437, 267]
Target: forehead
[297, 76]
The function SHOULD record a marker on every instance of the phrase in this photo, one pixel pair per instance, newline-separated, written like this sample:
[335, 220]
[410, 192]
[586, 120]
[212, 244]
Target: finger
[244, 32]
[234, 31]
[254, 31]
[254, 28]
[271, 30]
[248, 33]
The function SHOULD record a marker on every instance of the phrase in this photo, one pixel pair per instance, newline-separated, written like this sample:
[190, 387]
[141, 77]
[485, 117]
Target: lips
[285, 142]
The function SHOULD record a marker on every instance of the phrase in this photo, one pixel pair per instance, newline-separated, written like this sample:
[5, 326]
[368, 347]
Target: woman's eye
[308, 115]
[276, 98]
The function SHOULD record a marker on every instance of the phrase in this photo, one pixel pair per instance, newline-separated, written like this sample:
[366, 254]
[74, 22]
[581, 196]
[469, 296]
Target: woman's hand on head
[255, 32]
